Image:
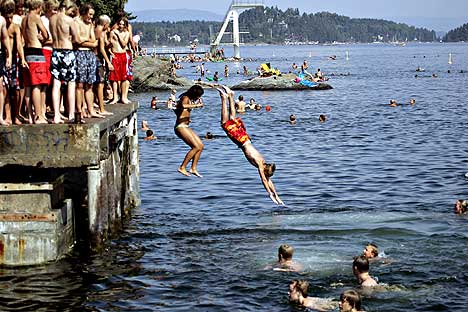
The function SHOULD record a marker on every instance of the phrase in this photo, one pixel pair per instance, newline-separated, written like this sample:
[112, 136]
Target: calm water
[370, 173]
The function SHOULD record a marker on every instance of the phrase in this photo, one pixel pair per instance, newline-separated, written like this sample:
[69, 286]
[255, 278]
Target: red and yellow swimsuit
[235, 130]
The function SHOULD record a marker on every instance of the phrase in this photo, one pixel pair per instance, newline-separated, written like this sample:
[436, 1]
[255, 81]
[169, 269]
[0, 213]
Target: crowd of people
[60, 60]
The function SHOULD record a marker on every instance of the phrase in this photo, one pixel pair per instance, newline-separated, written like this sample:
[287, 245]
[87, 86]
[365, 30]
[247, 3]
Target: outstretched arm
[269, 187]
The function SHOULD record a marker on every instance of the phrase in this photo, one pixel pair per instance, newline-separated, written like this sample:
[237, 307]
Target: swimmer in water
[460, 206]
[322, 118]
[292, 119]
[350, 301]
[209, 136]
[154, 102]
[371, 251]
[298, 294]
[412, 101]
[235, 130]
[361, 271]
[285, 260]
[393, 103]
[149, 135]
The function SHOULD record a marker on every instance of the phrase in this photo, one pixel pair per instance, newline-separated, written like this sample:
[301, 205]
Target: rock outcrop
[283, 82]
[152, 74]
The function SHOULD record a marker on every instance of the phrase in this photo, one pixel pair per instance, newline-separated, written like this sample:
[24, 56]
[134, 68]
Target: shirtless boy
[5, 63]
[100, 32]
[16, 43]
[86, 62]
[361, 271]
[298, 294]
[285, 259]
[235, 130]
[63, 64]
[34, 33]
[119, 39]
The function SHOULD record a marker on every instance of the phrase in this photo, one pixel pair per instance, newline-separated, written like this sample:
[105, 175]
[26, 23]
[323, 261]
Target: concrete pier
[66, 184]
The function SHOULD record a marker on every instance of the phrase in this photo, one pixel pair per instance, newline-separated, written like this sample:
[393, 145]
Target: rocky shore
[283, 82]
[152, 74]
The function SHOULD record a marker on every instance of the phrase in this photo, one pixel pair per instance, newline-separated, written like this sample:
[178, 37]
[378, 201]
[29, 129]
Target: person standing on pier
[35, 77]
[235, 130]
[63, 64]
[119, 39]
[86, 62]
[186, 102]
[16, 43]
[100, 32]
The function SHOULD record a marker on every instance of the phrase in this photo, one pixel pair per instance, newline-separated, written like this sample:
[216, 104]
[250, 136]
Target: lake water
[371, 173]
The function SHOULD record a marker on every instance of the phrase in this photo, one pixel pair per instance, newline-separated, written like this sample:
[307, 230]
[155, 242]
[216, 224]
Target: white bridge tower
[232, 15]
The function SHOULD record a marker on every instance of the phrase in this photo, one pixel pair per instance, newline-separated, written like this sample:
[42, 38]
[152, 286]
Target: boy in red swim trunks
[235, 130]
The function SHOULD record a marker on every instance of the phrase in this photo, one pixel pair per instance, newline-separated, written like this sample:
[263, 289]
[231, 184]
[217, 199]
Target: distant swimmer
[412, 101]
[172, 101]
[292, 119]
[187, 101]
[285, 259]
[322, 118]
[332, 57]
[240, 104]
[252, 103]
[235, 130]
[209, 136]
[350, 301]
[298, 294]
[149, 135]
[154, 102]
[393, 103]
[460, 206]
[361, 272]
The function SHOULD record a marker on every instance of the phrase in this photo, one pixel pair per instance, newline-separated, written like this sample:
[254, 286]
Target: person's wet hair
[195, 92]
[285, 252]
[322, 118]
[361, 263]
[241, 97]
[352, 297]
[374, 249]
[292, 117]
[149, 133]
[303, 287]
[270, 169]
[209, 135]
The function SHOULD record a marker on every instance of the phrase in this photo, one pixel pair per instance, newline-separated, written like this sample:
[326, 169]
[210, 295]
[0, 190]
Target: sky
[352, 8]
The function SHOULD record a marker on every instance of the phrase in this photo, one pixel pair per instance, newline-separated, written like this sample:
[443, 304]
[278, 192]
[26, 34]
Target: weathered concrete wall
[65, 183]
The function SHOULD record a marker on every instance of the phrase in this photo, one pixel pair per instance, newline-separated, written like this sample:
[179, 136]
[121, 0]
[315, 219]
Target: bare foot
[126, 101]
[112, 102]
[3, 123]
[96, 115]
[184, 172]
[57, 120]
[228, 90]
[40, 120]
[195, 172]
[8, 121]
[106, 113]
[18, 121]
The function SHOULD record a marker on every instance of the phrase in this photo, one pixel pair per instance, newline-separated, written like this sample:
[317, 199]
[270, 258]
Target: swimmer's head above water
[460, 206]
[285, 253]
[370, 251]
[350, 300]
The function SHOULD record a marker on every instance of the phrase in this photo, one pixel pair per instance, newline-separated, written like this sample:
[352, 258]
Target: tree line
[457, 34]
[272, 25]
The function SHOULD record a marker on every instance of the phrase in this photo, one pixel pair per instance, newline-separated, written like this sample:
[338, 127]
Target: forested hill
[457, 34]
[272, 25]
